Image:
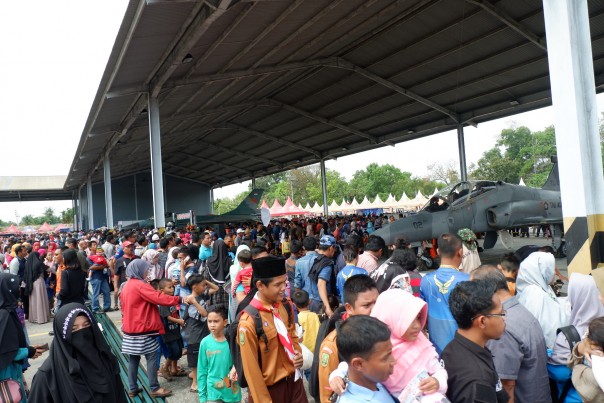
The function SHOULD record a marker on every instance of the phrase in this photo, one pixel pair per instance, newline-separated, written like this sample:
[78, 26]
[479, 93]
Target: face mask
[82, 340]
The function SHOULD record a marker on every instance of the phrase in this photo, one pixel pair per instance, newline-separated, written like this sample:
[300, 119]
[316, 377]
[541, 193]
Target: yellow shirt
[310, 323]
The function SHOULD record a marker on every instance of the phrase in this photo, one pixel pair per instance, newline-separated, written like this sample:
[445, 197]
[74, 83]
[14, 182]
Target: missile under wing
[483, 206]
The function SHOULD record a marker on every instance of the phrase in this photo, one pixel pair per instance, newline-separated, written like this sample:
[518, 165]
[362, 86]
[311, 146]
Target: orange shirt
[60, 268]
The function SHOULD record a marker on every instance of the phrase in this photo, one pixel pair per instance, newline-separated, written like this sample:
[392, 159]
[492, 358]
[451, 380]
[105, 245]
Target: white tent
[308, 208]
[344, 206]
[418, 200]
[404, 200]
[317, 209]
[378, 203]
[522, 182]
[435, 192]
[390, 202]
[354, 205]
[333, 207]
[365, 204]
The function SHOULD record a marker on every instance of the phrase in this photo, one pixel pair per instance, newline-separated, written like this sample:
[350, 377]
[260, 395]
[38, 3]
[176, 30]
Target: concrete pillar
[461, 145]
[253, 182]
[324, 188]
[577, 136]
[73, 208]
[157, 177]
[89, 199]
[80, 217]
[108, 195]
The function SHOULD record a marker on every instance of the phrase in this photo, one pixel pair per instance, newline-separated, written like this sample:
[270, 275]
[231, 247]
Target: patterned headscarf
[468, 237]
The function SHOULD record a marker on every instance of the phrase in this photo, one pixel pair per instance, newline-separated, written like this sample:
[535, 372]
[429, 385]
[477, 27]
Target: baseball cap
[155, 237]
[240, 231]
[327, 240]
[125, 244]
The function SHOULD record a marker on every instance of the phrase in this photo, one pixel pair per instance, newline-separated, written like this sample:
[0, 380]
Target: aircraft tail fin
[553, 180]
[249, 205]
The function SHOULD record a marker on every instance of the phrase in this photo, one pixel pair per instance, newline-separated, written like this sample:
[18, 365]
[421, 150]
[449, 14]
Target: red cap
[125, 244]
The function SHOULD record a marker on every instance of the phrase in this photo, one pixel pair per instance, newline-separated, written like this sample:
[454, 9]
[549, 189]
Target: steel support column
[157, 177]
[73, 209]
[89, 200]
[577, 135]
[212, 201]
[461, 145]
[253, 183]
[324, 188]
[108, 195]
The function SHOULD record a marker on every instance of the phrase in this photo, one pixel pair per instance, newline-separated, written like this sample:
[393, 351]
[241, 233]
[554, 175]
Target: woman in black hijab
[218, 269]
[35, 289]
[80, 367]
[13, 347]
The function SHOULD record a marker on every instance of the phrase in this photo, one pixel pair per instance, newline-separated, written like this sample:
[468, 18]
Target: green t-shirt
[213, 367]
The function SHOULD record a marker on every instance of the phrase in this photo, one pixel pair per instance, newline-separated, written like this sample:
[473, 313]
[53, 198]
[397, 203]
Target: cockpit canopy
[457, 194]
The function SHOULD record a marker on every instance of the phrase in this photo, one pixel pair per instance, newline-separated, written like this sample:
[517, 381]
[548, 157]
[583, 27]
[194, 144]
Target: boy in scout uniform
[360, 294]
[271, 368]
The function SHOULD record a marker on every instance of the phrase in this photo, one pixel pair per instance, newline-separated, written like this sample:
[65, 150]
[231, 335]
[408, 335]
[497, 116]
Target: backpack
[560, 388]
[233, 340]
[320, 262]
[326, 327]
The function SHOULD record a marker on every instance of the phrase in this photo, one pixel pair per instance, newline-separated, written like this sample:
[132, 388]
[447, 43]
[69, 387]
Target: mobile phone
[187, 259]
[43, 347]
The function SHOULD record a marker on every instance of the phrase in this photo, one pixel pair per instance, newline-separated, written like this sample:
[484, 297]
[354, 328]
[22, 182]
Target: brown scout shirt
[276, 365]
[329, 361]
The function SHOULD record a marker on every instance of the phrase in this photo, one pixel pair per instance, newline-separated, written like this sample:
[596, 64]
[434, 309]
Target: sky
[52, 58]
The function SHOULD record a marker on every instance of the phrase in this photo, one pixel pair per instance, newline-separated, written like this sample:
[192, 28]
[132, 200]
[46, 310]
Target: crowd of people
[258, 310]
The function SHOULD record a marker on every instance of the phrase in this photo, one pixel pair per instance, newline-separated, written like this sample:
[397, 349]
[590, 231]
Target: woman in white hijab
[585, 306]
[535, 294]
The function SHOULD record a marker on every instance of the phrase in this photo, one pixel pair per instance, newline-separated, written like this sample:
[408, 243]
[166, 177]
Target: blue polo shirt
[356, 393]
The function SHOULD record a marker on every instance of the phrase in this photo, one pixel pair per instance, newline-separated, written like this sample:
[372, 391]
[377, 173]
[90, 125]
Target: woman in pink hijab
[417, 365]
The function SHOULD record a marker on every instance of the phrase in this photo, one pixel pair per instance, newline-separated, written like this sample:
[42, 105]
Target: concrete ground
[38, 334]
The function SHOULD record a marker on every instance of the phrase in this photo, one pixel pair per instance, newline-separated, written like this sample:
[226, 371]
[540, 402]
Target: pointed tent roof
[365, 204]
[307, 207]
[45, 227]
[390, 202]
[264, 205]
[289, 208]
[29, 229]
[11, 230]
[316, 208]
[522, 182]
[333, 207]
[435, 191]
[354, 204]
[275, 208]
[378, 202]
[344, 206]
[404, 198]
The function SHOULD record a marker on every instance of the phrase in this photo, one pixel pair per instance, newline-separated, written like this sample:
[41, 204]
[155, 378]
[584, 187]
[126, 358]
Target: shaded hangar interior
[249, 88]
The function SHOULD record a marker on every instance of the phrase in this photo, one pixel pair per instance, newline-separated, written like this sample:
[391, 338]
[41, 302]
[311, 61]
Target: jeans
[100, 286]
[152, 367]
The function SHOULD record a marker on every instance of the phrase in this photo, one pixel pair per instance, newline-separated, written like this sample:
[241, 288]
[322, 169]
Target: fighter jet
[246, 211]
[485, 207]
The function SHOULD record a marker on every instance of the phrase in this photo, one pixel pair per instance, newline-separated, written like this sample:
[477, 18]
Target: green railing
[114, 338]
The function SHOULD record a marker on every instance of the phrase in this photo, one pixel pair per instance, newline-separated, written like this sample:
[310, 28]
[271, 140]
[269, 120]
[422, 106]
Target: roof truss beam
[372, 139]
[397, 88]
[268, 137]
[230, 75]
[510, 22]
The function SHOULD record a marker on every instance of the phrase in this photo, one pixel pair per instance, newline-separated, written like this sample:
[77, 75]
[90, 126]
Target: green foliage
[226, 204]
[304, 186]
[66, 216]
[518, 153]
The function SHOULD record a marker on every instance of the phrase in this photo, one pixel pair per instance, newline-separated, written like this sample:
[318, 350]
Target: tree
[446, 172]
[67, 215]
[517, 154]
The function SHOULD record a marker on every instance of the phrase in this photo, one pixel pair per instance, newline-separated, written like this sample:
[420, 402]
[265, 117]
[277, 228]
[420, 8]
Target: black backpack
[233, 340]
[573, 338]
[326, 327]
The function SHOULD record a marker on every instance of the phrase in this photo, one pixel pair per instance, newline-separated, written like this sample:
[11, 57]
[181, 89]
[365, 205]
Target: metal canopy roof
[32, 188]
[273, 85]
